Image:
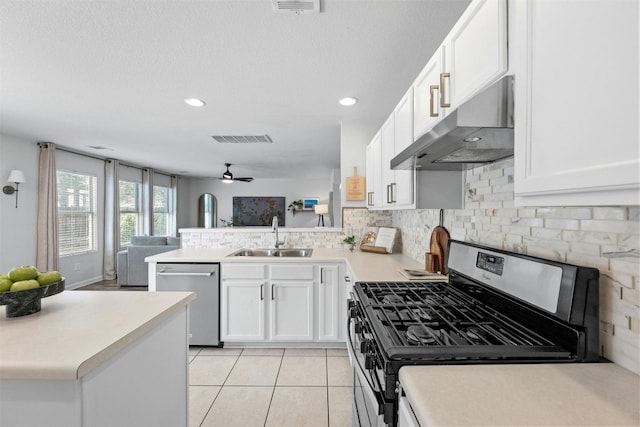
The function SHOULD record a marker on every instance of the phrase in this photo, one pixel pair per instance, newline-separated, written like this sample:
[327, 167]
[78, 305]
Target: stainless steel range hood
[479, 131]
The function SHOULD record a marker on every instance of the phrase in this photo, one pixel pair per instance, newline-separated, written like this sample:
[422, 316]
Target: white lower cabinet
[291, 302]
[329, 302]
[280, 302]
[242, 310]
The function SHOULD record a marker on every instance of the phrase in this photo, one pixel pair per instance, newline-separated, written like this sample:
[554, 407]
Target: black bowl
[21, 303]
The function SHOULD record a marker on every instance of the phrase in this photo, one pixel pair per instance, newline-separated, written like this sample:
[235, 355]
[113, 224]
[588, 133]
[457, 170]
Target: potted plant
[227, 222]
[350, 241]
[295, 206]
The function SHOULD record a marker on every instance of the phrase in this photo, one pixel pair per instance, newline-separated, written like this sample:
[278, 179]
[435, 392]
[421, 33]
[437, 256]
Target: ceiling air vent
[242, 139]
[296, 6]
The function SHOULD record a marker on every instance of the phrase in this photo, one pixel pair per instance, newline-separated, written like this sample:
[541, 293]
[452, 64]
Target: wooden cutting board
[439, 243]
[355, 186]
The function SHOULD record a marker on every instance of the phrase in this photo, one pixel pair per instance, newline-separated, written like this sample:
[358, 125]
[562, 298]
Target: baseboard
[84, 282]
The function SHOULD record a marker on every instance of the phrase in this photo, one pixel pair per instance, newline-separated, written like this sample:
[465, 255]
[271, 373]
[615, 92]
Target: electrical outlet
[76, 267]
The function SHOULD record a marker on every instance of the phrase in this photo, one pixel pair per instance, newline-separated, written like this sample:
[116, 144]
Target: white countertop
[76, 331]
[576, 394]
[261, 230]
[365, 266]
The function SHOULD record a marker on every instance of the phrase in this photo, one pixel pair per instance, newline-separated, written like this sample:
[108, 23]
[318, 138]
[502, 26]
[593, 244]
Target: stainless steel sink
[273, 252]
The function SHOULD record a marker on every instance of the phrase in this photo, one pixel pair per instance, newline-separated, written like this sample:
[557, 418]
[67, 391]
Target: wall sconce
[16, 177]
[321, 210]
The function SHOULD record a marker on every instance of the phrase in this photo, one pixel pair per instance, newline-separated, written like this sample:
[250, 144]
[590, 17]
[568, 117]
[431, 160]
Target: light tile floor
[269, 387]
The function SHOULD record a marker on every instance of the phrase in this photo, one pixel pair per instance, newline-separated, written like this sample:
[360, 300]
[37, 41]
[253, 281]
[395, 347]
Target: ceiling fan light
[227, 181]
[348, 101]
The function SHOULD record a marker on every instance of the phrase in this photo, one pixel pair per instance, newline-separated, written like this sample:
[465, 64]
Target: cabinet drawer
[243, 271]
[291, 271]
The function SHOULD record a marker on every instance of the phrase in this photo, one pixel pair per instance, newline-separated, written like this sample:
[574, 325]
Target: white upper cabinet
[374, 171]
[576, 121]
[427, 109]
[387, 149]
[396, 134]
[475, 52]
[403, 191]
[472, 56]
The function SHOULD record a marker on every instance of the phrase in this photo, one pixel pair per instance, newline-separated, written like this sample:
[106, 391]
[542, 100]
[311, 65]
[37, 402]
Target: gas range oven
[498, 307]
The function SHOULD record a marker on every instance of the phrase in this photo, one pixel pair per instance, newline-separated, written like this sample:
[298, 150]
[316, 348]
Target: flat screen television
[258, 211]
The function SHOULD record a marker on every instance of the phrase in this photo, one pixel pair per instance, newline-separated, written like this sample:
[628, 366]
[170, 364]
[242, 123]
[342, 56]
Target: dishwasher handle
[186, 273]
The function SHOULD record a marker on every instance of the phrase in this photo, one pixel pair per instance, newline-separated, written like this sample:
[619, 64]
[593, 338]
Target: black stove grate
[439, 321]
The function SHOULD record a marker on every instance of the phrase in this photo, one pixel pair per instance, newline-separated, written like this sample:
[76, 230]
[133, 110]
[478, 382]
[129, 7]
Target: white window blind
[161, 210]
[130, 218]
[77, 220]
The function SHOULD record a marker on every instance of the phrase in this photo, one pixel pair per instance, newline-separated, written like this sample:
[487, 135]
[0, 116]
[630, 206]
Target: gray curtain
[47, 227]
[147, 201]
[111, 218]
[173, 204]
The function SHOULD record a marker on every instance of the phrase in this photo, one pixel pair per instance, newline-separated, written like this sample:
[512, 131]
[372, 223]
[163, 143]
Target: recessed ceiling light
[195, 102]
[348, 101]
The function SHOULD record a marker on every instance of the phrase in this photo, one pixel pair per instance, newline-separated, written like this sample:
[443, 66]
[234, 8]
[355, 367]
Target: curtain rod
[94, 156]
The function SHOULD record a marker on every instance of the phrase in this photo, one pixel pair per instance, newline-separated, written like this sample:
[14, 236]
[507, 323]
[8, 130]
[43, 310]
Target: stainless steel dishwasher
[204, 311]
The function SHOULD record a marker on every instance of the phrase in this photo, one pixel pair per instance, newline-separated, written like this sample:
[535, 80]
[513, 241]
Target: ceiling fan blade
[237, 179]
[227, 176]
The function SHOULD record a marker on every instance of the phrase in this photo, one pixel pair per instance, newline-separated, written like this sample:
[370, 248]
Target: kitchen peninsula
[98, 359]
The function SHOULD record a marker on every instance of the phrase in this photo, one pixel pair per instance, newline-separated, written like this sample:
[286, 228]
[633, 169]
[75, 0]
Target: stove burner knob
[357, 327]
[369, 361]
[353, 312]
[366, 347]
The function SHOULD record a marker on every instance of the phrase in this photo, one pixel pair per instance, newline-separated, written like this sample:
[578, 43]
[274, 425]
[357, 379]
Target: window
[77, 219]
[130, 218]
[161, 210]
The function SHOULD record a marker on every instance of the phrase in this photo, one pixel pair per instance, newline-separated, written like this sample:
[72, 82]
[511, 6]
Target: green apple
[5, 284]
[49, 277]
[24, 284]
[25, 272]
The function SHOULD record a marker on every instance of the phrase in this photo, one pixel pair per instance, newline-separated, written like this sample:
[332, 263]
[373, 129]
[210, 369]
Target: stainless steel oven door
[368, 403]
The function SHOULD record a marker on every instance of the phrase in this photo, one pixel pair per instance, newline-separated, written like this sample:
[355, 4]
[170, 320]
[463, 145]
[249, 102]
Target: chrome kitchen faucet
[274, 229]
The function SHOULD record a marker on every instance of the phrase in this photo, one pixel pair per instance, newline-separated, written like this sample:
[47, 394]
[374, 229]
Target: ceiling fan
[227, 177]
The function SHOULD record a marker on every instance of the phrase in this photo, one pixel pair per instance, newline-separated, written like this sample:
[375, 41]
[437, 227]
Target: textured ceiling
[114, 74]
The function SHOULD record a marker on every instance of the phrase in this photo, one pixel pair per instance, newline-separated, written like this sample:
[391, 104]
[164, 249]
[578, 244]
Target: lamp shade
[16, 176]
[321, 209]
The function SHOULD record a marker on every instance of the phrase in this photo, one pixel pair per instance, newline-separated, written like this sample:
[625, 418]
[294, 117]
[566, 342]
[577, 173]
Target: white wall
[18, 227]
[18, 232]
[354, 138]
[190, 189]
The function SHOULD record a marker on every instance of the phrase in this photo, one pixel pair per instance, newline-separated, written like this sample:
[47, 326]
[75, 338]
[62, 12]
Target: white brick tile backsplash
[575, 213]
[610, 213]
[581, 248]
[606, 238]
[562, 224]
[617, 278]
[546, 234]
[610, 226]
[625, 265]
[589, 237]
[526, 212]
[621, 347]
[598, 262]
